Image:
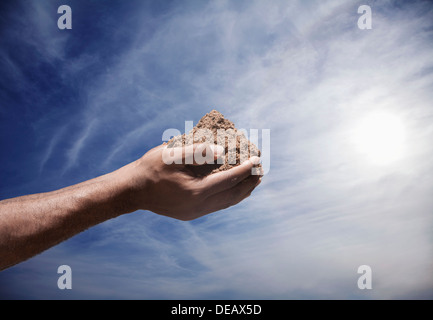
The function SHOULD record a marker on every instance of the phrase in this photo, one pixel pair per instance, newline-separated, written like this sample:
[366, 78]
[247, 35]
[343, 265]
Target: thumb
[195, 154]
[203, 153]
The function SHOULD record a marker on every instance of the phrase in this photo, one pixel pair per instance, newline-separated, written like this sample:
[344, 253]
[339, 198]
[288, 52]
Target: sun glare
[381, 138]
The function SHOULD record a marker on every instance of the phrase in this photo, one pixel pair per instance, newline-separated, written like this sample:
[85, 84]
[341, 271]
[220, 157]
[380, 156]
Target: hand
[176, 191]
[33, 223]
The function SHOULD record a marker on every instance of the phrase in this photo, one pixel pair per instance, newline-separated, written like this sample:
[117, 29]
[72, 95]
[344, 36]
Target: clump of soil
[210, 129]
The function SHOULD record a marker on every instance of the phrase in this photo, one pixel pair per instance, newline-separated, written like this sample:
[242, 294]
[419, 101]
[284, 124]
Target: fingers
[225, 180]
[195, 155]
[234, 195]
[192, 154]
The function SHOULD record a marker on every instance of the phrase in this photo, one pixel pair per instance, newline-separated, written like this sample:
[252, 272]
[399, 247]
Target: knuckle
[195, 192]
[234, 180]
[192, 190]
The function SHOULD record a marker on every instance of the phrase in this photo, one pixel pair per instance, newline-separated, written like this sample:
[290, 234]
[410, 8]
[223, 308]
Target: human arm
[34, 223]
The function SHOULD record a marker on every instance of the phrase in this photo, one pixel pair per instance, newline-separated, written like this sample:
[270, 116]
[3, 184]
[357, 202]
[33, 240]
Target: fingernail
[255, 160]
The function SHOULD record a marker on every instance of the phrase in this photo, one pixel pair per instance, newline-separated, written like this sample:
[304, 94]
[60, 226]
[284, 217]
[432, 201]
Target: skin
[33, 223]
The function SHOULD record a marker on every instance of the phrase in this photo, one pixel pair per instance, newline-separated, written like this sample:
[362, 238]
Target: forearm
[34, 223]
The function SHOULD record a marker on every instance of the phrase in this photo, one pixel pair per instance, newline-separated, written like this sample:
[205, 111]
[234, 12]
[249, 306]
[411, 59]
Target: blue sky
[75, 104]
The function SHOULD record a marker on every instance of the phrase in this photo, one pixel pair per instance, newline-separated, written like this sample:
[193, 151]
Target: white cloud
[306, 72]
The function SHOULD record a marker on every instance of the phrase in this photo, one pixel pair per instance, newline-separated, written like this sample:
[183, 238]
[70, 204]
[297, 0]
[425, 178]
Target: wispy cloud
[305, 71]
[50, 148]
[78, 145]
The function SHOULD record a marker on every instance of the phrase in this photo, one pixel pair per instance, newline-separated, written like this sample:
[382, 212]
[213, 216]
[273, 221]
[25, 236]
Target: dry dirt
[235, 142]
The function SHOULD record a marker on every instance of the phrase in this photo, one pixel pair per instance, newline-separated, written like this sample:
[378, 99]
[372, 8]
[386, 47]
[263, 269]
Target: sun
[380, 137]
